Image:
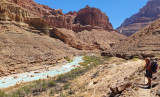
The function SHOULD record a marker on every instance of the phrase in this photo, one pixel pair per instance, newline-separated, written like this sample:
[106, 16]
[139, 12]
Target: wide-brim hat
[147, 58]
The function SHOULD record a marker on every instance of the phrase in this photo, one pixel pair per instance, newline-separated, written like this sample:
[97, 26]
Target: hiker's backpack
[154, 66]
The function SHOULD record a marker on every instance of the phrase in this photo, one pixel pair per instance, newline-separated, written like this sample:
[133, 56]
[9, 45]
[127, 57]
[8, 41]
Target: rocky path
[116, 72]
[138, 88]
[144, 93]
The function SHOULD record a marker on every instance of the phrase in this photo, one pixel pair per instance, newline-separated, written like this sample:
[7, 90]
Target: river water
[12, 80]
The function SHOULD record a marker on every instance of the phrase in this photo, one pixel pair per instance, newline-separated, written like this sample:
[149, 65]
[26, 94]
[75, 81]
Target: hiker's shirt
[148, 70]
[148, 66]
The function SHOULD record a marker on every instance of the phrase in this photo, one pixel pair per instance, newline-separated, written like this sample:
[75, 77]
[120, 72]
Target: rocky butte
[149, 13]
[91, 18]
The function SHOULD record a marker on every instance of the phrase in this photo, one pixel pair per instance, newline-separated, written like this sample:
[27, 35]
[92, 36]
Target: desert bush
[106, 58]
[136, 59]
[66, 85]
[68, 59]
[3, 94]
[52, 92]
[51, 83]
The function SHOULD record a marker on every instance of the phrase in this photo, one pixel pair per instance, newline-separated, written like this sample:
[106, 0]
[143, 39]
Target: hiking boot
[148, 87]
[146, 84]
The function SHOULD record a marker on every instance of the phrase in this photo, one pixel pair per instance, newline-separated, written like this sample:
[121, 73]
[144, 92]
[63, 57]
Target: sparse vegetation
[91, 60]
[51, 92]
[66, 86]
[117, 63]
[68, 59]
[61, 81]
[136, 59]
[3, 94]
[106, 58]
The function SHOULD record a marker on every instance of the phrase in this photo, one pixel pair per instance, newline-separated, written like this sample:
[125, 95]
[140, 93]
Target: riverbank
[51, 71]
[56, 84]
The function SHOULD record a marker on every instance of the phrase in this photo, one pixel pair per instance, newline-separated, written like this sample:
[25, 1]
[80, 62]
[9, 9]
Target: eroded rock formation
[69, 37]
[100, 37]
[53, 17]
[13, 12]
[146, 15]
[92, 18]
[143, 43]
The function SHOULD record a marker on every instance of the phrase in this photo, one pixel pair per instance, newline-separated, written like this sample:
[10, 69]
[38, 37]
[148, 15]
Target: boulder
[119, 89]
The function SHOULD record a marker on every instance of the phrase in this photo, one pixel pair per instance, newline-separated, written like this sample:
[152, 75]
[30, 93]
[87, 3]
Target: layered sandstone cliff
[53, 17]
[13, 12]
[145, 16]
[145, 42]
[85, 19]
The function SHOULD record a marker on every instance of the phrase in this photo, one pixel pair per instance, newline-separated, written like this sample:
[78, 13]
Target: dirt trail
[109, 75]
[144, 93]
[139, 87]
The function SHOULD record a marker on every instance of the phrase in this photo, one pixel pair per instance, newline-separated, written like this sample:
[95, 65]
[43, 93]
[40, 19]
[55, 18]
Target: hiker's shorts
[148, 74]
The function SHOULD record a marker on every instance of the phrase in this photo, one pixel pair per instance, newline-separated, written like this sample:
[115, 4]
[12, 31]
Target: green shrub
[71, 92]
[64, 95]
[3, 94]
[136, 59]
[44, 86]
[92, 60]
[106, 58]
[54, 64]
[66, 86]
[51, 83]
[83, 64]
[52, 92]
[69, 60]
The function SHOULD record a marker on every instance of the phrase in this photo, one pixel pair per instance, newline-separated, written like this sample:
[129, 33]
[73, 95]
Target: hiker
[151, 68]
[148, 72]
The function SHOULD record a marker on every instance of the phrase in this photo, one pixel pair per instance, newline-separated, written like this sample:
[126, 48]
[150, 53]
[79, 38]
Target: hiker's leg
[149, 81]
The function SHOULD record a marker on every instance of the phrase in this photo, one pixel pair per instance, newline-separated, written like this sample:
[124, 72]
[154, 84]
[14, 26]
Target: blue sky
[116, 10]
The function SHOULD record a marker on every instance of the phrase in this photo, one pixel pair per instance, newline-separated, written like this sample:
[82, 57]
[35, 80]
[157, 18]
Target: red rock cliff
[93, 17]
[54, 17]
